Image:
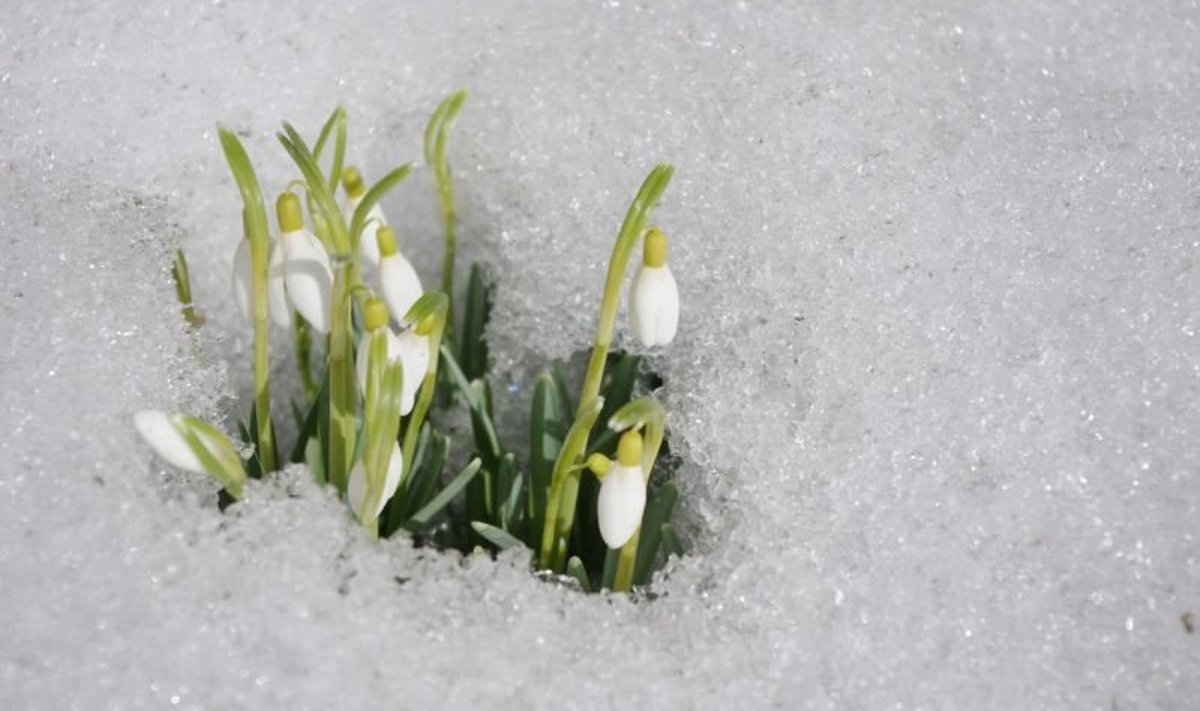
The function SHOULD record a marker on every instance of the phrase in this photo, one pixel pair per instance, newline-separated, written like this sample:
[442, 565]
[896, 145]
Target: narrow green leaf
[473, 346]
[510, 484]
[671, 544]
[496, 536]
[317, 188]
[326, 131]
[444, 497]
[576, 570]
[609, 573]
[315, 458]
[429, 474]
[657, 514]
[251, 435]
[487, 443]
[309, 428]
[339, 150]
[548, 423]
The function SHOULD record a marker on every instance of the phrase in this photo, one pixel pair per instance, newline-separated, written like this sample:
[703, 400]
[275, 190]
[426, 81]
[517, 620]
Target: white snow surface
[936, 385]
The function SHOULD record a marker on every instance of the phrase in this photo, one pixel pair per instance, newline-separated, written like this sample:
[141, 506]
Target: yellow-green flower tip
[598, 464]
[353, 182]
[654, 250]
[425, 325]
[387, 241]
[375, 314]
[288, 212]
[629, 449]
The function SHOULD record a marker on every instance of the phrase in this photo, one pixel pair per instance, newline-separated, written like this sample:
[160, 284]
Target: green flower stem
[438, 306]
[342, 424]
[566, 470]
[626, 562]
[435, 157]
[255, 222]
[573, 449]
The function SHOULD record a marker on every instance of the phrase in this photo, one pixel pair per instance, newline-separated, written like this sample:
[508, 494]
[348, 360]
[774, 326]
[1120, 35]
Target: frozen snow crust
[935, 388]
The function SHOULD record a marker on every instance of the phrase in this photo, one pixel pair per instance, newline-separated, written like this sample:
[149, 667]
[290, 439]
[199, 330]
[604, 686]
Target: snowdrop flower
[653, 296]
[161, 432]
[176, 438]
[368, 244]
[243, 284]
[356, 487]
[397, 279]
[411, 347]
[622, 491]
[307, 275]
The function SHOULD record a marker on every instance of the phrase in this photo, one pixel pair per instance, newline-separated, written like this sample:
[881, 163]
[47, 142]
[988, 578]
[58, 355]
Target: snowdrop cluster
[334, 269]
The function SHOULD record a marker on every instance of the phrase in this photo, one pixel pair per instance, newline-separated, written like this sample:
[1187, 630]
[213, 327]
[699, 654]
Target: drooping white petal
[654, 305]
[400, 284]
[620, 504]
[308, 277]
[368, 244]
[243, 280]
[159, 431]
[243, 285]
[356, 487]
[362, 359]
[414, 357]
[277, 302]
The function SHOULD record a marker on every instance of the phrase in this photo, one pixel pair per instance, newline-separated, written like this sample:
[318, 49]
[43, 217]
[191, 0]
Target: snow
[935, 387]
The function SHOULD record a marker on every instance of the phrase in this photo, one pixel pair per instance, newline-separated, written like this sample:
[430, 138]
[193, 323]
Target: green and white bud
[622, 497]
[398, 280]
[653, 295]
[307, 274]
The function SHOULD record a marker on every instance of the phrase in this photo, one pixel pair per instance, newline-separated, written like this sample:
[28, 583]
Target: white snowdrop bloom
[622, 493]
[653, 296]
[368, 244]
[414, 356]
[307, 274]
[356, 487]
[161, 432]
[243, 285]
[398, 280]
[411, 347]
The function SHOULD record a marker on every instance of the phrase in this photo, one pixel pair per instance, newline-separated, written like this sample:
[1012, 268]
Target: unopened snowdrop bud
[598, 464]
[653, 296]
[356, 487]
[368, 244]
[397, 279]
[194, 445]
[622, 493]
[161, 432]
[307, 275]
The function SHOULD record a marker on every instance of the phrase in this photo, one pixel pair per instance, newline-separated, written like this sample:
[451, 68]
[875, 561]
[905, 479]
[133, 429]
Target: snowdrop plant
[372, 423]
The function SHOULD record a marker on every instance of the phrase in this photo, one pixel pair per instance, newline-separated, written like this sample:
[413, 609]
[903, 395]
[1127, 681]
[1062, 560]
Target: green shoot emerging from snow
[584, 503]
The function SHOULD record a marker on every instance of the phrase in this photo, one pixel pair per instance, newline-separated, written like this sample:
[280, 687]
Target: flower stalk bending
[565, 482]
